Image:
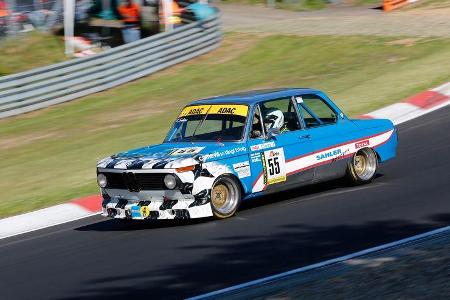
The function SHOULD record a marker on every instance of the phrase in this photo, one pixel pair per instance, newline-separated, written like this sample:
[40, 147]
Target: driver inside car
[274, 119]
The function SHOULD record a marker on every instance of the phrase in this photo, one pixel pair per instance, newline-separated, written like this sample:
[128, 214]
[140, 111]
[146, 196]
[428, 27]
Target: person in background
[201, 11]
[174, 19]
[4, 13]
[130, 14]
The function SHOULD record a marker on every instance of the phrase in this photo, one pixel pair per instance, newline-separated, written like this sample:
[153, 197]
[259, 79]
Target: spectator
[173, 19]
[201, 11]
[4, 13]
[130, 14]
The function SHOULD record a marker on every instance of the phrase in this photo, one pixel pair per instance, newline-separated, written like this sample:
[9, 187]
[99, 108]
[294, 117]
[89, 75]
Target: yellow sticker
[145, 211]
[221, 109]
[229, 109]
[194, 110]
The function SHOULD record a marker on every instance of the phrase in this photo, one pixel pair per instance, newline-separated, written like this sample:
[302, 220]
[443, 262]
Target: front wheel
[363, 166]
[225, 197]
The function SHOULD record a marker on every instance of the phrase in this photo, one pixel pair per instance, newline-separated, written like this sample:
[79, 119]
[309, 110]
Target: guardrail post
[69, 11]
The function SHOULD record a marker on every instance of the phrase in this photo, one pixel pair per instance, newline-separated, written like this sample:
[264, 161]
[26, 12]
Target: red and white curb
[414, 106]
[408, 109]
[51, 216]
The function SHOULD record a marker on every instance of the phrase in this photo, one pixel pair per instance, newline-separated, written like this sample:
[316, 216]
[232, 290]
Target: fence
[43, 87]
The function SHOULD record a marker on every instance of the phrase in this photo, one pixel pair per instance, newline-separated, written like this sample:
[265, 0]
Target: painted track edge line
[326, 263]
[52, 225]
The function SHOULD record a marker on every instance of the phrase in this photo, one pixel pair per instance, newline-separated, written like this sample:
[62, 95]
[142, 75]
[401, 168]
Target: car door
[274, 156]
[329, 130]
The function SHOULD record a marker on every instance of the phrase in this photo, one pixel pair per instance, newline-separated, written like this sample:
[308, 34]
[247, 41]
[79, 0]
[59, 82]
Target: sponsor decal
[239, 110]
[186, 151]
[145, 211]
[262, 146]
[328, 154]
[362, 144]
[218, 154]
[194, 110]
[255, 157]
[347, 151]
[242, 169]
[299, 99]
[220, 109]
[274, 166]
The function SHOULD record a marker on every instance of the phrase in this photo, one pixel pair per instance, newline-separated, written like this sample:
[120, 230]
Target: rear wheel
[225, 197]
[363, 166]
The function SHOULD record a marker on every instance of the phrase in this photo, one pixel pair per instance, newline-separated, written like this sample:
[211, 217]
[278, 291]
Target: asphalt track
[96, 258]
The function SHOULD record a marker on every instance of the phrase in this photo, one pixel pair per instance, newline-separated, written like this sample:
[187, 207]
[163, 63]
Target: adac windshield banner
[219, 109]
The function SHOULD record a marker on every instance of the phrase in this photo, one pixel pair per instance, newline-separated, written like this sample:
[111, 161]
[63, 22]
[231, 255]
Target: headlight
[170, 181]
[101, 180]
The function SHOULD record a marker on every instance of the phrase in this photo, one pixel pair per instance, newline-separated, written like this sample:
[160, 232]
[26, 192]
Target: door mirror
[272, 132]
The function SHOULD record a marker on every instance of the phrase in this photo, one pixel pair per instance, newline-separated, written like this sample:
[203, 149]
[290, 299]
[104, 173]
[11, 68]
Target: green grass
[49, 156]
[29, 51]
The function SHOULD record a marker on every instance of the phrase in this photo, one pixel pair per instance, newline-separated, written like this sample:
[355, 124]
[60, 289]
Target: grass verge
[30, 51]
[48, 157]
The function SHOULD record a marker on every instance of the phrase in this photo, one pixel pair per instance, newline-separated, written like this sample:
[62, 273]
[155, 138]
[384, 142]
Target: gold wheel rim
[360, 165]
[219, 195]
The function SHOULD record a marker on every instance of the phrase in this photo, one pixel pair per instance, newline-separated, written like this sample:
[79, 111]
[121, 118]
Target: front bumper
[153, 205]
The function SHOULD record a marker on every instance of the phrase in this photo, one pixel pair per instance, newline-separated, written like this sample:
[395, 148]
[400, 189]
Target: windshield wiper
[200, 124]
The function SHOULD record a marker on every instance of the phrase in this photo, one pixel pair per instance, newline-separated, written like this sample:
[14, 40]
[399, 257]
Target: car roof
[251, 97]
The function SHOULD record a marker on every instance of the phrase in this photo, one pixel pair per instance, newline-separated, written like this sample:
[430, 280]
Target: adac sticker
[239, 110]
[274, 165]
[194, 110]
[219, 109]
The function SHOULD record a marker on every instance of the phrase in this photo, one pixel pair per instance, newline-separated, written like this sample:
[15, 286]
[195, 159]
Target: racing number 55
[274, 166]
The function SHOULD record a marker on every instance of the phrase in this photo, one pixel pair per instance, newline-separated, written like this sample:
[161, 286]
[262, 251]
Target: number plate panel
[274, 166]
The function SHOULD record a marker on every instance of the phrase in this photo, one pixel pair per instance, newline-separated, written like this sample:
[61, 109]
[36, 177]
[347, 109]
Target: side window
[310, 121]
[316, 111]
[280, 114]
[257, 129]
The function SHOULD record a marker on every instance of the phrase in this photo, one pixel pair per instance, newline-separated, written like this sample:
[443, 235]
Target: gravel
[337, 21]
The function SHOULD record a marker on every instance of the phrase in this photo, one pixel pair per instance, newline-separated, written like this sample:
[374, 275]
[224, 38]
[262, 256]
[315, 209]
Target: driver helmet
[274, 119]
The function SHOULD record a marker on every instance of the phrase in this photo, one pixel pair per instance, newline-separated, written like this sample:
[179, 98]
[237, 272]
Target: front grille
[134, 182]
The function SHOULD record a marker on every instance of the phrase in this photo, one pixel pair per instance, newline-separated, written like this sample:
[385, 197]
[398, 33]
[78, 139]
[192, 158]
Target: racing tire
[226, 195]
[362, 166]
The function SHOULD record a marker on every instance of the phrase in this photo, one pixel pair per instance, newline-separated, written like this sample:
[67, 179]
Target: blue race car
[224, 150]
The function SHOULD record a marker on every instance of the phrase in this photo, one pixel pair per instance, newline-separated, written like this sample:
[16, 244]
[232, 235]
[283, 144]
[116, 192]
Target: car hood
[172, 155]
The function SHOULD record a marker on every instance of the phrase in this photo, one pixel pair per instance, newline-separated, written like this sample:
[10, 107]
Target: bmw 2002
[224, 150]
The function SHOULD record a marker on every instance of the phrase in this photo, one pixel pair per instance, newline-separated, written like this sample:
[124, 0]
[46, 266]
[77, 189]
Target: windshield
[217, 122]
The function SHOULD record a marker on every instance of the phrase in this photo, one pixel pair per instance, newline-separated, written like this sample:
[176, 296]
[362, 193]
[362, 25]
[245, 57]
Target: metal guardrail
[58, 83]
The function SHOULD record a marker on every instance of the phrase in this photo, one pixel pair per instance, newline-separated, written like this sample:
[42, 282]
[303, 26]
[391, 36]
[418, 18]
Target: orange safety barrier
[389, 5]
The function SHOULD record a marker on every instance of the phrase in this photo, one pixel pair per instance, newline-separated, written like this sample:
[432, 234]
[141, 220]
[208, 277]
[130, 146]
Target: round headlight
[101, 180]
[170, 181]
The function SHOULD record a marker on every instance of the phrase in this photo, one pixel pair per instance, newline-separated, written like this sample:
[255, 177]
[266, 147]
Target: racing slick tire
[362, 166]
[226, 197]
